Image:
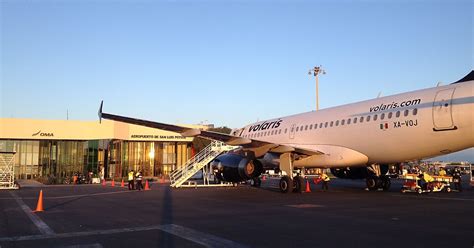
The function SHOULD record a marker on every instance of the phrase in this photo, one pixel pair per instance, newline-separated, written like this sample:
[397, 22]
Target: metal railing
[196, 163]
[7, 175]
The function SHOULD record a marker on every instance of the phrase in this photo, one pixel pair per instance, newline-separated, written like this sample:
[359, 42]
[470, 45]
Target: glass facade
[154, 159]
[104, 158]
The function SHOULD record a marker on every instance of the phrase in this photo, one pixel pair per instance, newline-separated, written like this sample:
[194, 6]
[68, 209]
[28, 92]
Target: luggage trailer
[440, 183]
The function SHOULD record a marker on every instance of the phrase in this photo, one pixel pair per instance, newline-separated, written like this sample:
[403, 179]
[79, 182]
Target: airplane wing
[192, 132]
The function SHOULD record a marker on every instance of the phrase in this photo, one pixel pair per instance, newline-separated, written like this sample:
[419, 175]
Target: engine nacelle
[232, 167]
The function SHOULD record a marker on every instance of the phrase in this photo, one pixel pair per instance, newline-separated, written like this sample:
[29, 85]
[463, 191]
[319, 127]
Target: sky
[224, 62]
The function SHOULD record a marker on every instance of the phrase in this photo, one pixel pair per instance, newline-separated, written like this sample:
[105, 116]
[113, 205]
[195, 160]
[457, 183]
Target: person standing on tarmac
[138, 178]
[325, 180]
[131, 183]
[457, 179]
[442, 172]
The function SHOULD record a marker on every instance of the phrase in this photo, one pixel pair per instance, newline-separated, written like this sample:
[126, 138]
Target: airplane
[356, 141]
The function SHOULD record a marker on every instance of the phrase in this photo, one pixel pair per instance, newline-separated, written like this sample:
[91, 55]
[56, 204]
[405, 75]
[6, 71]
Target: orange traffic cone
[147, 187]
[103, 182]
[122, 184]
[264, 178]
[39, 206]
[162, 179]
[308, 189]
[113, 183]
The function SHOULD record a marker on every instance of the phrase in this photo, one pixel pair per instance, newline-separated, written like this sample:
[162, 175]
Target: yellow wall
[24, 129]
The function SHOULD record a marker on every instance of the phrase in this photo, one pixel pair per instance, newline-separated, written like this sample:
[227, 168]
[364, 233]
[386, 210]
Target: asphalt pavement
[242, 216]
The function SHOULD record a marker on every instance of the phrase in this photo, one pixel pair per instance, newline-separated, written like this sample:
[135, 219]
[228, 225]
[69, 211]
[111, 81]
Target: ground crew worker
[325, 179]
[74, 178]
[457, 179]
[138, 178]
[131, 183]
[442, 172]
[426, 180]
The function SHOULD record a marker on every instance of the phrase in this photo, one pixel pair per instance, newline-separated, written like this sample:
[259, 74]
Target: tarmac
[242, 216]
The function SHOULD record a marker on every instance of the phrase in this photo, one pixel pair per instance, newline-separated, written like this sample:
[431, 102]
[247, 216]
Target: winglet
[100, 111]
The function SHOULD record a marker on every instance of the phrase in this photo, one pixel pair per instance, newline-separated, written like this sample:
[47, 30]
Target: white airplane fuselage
[403, 127]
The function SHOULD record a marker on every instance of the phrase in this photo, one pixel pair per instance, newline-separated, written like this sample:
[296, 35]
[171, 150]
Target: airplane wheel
[386, 184]
[286, 184]
[298, 184]
[371, 183]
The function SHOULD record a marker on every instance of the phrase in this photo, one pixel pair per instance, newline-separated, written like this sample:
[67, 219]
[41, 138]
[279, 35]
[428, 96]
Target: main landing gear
[380, 182]
[291, 185]
[376, 178]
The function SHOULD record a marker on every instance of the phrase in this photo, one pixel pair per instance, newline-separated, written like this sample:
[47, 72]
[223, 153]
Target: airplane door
[442, 111]
[292, 131]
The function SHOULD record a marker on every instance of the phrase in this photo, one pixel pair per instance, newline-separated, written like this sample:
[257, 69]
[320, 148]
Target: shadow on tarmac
[64, 203]
[166, 240]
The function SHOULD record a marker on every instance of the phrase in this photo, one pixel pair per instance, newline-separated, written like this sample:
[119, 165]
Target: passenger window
[390, 115]
[397, 114]
[406, 112]
[326, 124]
[306, 127]
[332, 122]
[361, 119]
[337, 123]
[301, 128]
[297, 128]
[279, 131]
[311, 127]
[368, 118]
[342, 122]
[285, 130]
[349, 121]
[315, 126]
[382, 116]
[375, 117]
[355, 120]
[415, 111]
[320, 125]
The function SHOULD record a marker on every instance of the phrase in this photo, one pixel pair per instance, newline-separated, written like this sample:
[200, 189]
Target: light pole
[315, 71]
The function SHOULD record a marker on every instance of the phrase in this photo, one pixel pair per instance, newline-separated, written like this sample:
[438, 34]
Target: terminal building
[60, 148]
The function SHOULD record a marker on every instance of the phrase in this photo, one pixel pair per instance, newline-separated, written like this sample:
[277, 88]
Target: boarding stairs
[198, 162]
[7, 173]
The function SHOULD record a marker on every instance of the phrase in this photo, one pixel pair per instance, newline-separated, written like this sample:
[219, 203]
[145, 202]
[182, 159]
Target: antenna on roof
[380, 93]
[439, 83]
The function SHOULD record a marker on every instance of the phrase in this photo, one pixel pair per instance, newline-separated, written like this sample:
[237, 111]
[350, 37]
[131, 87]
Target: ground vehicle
[412, 184]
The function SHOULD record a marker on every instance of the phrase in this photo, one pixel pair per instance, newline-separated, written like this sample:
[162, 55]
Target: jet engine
[232, 167]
